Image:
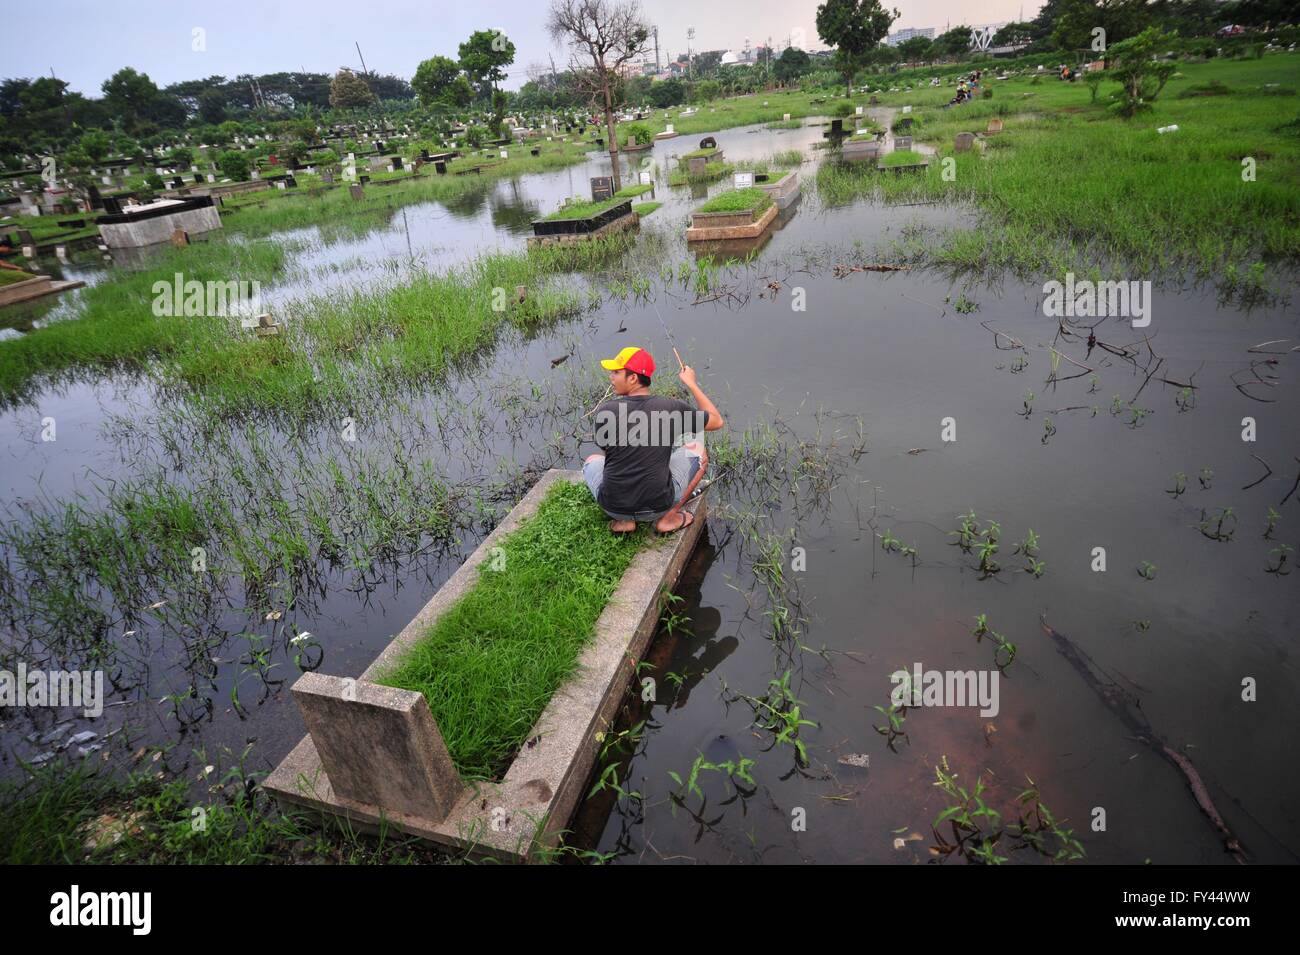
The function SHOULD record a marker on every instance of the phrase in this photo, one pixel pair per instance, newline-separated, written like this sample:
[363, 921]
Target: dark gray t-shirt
[638, 434]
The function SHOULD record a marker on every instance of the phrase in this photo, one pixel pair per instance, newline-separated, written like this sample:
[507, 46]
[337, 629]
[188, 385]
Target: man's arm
[716, 421]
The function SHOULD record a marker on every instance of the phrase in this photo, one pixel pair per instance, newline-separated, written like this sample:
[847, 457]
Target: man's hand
[687, 376]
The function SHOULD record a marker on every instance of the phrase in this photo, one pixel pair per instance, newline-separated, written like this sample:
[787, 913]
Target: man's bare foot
[674, 521]
[622, 527]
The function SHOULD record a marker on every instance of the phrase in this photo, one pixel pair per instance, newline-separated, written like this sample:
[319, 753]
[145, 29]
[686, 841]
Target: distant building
[907, 33]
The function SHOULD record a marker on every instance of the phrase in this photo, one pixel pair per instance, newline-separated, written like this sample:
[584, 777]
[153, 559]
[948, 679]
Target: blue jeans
[683, 464]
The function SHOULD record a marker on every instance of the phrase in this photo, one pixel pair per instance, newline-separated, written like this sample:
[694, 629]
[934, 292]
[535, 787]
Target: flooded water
[869, 376]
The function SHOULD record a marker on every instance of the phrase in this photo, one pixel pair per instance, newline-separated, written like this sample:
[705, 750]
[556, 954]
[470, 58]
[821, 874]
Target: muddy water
[891, 351]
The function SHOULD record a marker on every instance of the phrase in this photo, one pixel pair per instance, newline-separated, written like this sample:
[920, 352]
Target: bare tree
[602, 36]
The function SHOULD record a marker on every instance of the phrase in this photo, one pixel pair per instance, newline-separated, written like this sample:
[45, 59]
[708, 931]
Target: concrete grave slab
[385, 763]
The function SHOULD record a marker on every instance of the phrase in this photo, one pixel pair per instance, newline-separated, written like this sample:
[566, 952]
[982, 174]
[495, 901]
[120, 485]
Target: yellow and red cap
[632, 359]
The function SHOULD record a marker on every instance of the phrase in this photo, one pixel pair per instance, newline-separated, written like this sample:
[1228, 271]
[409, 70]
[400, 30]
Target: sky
[86, 41]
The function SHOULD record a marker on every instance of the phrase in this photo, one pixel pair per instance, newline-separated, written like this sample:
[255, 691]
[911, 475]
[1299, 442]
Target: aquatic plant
[1212, 526]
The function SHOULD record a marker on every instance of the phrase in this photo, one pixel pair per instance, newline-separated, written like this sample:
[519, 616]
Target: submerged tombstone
[708, 142]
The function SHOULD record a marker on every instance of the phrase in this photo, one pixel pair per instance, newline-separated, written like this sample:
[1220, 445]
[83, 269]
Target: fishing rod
[669, 335]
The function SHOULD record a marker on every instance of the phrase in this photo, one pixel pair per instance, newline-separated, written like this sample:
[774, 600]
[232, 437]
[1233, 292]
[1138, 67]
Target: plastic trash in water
[1167, 129]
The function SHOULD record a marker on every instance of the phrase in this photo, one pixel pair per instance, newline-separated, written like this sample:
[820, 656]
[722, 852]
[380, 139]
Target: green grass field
[1069, 186]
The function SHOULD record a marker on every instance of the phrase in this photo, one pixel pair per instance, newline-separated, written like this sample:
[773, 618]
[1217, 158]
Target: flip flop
[687, 520]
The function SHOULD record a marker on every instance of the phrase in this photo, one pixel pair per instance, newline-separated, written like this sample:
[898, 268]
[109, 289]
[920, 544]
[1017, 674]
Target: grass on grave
[738, 200]
[585, 208]
[13, 276]
[492, 662]
[903, 157]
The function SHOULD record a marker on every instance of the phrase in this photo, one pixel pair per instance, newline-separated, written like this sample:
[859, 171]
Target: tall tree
[349, 90]
[791, 64]
[854, 28]
[130, 95]
[1077, 19]
[602, 36]
[915, 48]
[954, 42]
[212, 106]
[433, 79]
[484, 57]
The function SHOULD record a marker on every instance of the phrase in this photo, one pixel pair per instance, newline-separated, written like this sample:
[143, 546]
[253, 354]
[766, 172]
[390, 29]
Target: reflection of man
[642, 476]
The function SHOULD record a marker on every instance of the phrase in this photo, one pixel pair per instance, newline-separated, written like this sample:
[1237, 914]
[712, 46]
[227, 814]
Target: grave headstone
[857, 111]
[995, 126]
[902, 142]
[357, 191]
[440, 167]
[602, 188]
[645, 178]
[963, 142]
[743, 180]
[708, 142]
[180, 238]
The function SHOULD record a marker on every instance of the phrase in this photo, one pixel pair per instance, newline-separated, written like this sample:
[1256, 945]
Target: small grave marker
[602, 188]
[963, 142]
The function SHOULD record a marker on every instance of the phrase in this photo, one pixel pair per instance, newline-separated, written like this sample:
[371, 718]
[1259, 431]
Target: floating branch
[1277, 341]
[1128, 710]
[1266, 468]
[1293, 486]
